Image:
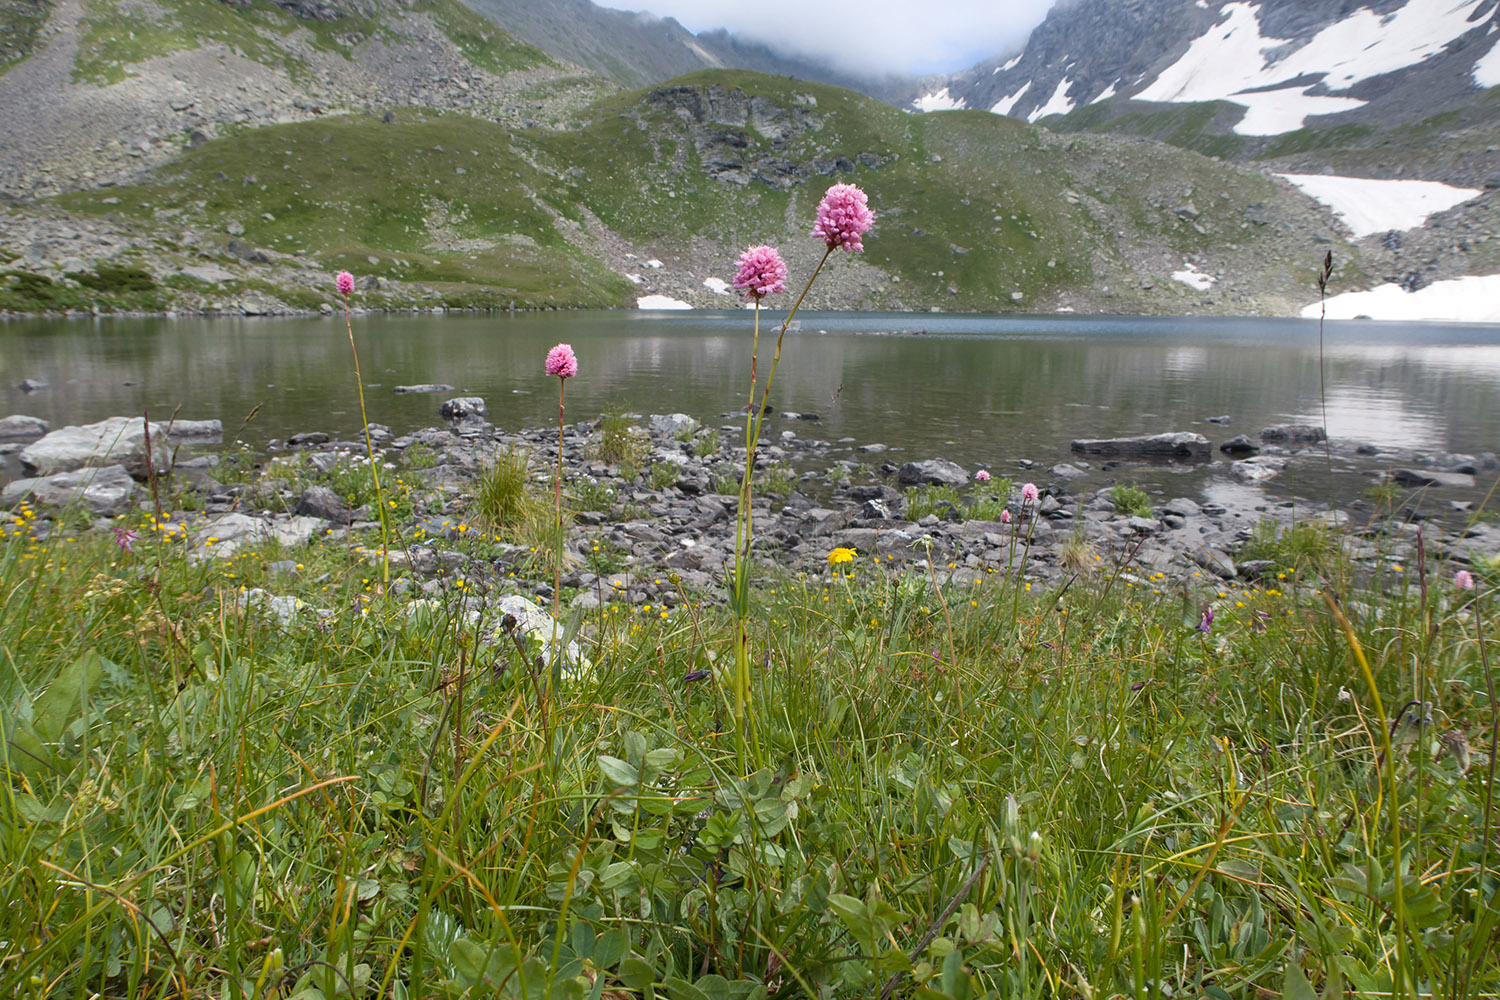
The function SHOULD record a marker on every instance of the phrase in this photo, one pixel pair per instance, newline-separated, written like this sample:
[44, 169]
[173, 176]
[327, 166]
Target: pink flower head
[762, 272]
[562, 362]
[843, 217]
[125, 539]
[1005, 517]
[983, 475]
[346, 283]
[1029, 493]
[1463, 580]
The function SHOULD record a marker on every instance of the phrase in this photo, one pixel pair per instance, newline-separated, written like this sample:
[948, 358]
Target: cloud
[869, 37]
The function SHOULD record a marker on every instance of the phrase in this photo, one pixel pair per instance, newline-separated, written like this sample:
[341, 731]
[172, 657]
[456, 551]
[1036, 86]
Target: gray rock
[672, 424]
[464, 410]
[306, 438]
[19, 427]
[1067, 472]
[1257, 469]
[1427, 477]
[520, 618]
[1217, 562]
[104, 492]
[223, 536]
[424, 387]
[195, 430]
[321, 502]
[114, 441]
[243, 251]
[1179, 444]
[31, 384]
[932, 472]
[1292, 434]
[1240, 445]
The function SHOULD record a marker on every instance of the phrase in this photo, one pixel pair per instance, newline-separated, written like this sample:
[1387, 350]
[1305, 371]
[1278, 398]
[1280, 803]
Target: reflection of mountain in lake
[977, 390]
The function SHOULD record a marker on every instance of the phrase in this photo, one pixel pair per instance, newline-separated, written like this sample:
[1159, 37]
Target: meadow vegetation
[1006, 788]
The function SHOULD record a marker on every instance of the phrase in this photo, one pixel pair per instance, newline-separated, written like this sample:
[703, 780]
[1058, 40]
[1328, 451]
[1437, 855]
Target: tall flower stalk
[843, 218]
[562, 363]
[346, 288]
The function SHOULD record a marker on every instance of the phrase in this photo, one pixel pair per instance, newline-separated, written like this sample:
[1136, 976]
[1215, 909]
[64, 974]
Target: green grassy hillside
[975, 211]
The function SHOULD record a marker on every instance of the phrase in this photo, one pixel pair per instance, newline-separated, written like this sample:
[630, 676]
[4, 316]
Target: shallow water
[980, 390]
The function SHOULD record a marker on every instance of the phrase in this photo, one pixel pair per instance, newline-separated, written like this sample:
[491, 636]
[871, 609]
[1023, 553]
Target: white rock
[103, 492]
[115, 441]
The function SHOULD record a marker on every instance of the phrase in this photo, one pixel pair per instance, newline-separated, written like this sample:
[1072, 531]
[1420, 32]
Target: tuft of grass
[1132, 500]
[924, 500]
[504, 500]
[620, 442]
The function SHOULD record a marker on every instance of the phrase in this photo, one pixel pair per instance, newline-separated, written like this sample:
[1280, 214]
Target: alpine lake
[1005, 393]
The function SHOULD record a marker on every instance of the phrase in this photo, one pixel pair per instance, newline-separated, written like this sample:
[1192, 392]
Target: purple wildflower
[562, 362]
[762, 272]
[843, 217]
[1206, 623]
[1029, 493]
[346, 284]
[125, 539]
[1463, 580]
[983, 475]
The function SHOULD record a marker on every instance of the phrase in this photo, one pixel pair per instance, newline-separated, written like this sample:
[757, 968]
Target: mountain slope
[111, 87]
[976, 211]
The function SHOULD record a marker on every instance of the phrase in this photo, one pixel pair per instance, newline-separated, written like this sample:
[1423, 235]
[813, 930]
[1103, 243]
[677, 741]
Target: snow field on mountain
[1234, 62]
[1369, 206]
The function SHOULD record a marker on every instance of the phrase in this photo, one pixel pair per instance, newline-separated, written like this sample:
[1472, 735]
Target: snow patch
[1372, 206]
[1003, 106]
[1233, 57]
[1194, 278]
[634, 279]
[1471, 299]
[1487, 68]
[1106, 93]
[716, 285]
[653, 262]
[940, 101]
[661, 302]
[1012, 64]
[1057, 104]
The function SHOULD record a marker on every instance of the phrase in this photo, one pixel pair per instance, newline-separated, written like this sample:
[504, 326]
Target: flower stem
[359, 383]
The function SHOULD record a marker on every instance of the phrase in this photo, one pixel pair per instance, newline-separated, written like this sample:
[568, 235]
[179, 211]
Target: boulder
[1257, 469]
[933, 472]
[464, 410]
[1292, 434]
[196, 430]
[115, 441]
[1429, 477]
[424, 387]
[31, 384]
[105, 492]
[1179, 444]
[19, 427]
[326, 505]
[524, 620]
[223, 536]
[1240, 445]
[672, 424]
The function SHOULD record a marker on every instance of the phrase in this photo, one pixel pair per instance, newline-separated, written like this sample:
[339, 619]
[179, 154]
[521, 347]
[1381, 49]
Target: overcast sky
[869, 36]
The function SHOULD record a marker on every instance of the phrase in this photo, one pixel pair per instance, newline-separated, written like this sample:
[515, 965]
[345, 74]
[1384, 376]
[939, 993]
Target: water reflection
[976, 389]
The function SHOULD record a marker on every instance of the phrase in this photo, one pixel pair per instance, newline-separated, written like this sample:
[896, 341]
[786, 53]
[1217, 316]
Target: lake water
[980, 390]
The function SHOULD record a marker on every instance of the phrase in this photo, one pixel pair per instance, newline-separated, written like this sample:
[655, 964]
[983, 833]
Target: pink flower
[1005, 517]
[1029, 493]
[762, 272]
[562, 362]
[125, 539]
[983, 475]
[843, 217]
[346, 284]
[1463, 580]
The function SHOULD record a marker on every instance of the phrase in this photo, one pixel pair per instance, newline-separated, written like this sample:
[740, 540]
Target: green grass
[996, 790]
[1131, 500]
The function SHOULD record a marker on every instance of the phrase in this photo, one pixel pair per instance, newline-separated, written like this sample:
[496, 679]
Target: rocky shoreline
[667, 517]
